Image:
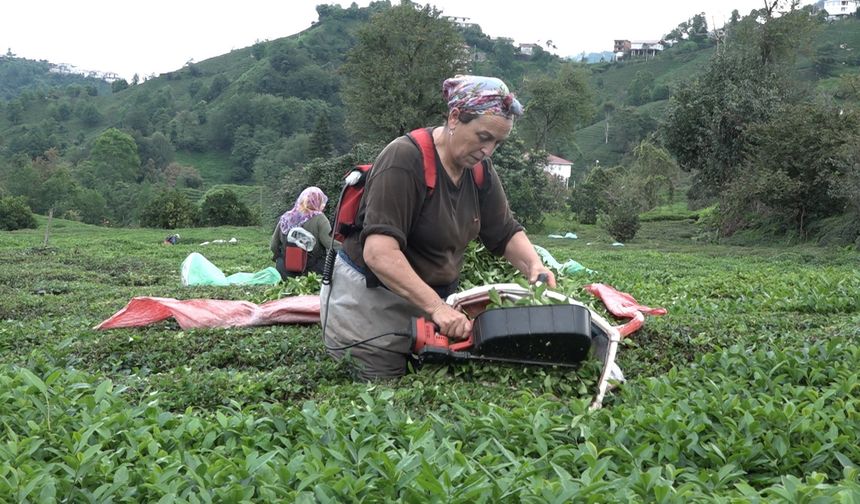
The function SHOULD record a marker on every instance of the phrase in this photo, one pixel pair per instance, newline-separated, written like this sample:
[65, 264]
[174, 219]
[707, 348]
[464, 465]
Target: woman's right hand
[452, 323]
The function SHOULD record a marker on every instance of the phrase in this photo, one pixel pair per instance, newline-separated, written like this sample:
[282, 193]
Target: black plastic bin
[548, 333]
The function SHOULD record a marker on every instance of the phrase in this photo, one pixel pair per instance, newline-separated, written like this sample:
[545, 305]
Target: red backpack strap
[424, 140]
[479, 174]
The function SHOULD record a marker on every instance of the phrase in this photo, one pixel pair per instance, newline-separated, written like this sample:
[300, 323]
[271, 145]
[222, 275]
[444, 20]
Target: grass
[746, 391]
[675, 211]
[214, 166]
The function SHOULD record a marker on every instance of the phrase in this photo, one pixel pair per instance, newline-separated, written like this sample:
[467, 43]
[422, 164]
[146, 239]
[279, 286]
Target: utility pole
[48, 227]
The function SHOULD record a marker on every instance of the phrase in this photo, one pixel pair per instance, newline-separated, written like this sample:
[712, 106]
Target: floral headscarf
[309, 204]
[480, 95]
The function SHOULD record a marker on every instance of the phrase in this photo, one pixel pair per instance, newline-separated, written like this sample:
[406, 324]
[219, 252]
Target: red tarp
[193, 313]
[623, 305]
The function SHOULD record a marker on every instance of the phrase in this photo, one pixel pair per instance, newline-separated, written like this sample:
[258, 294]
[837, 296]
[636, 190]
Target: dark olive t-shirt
[433, 231]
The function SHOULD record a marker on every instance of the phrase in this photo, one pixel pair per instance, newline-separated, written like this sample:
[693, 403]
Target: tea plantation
[748, 390]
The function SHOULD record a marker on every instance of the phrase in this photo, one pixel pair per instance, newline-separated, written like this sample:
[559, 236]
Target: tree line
[760, 146]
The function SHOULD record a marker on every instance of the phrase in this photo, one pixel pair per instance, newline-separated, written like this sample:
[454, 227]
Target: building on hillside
[621, 46]
[838, 9]
[559, 168]
[462, 22]
[528, 49]
[637, 49]
[646, 48]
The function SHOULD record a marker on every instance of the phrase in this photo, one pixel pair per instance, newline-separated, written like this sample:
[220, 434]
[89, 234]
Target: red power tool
[550, 335]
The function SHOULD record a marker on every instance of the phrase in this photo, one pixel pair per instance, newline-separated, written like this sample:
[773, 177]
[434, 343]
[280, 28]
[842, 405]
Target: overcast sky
[157, 36]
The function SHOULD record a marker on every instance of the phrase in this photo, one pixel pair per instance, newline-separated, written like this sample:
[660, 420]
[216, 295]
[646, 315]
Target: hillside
[835, 52]
[19, 75]
[197, 104]
[248, 117]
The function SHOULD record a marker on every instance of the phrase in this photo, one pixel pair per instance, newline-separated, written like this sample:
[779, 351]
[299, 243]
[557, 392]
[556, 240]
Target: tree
[218, 85]
[591, 198]
[556, 106]
[114, 158]
[641, 88]
[694, 29]
[395, 71]
[846, 184]
[706, 126]
[657, 172]
[848, 87]
[775, 39]
[222, 207]
[621, 220]
[524, 180]
[87, 205]
[88, 114]
[793, 164]
[15, 214]
[15, 111]
[170, 210]
[708, 123]
[311, 81]
[321, 144]
[630, 126]
[118, 85]
[156, 148]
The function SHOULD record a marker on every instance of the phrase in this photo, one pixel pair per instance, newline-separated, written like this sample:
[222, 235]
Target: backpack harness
[346, 214]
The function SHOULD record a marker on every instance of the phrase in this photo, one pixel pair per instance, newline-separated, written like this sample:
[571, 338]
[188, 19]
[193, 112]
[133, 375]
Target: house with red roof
[558, 167]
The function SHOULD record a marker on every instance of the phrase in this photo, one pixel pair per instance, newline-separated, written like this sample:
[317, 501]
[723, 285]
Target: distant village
[624, 49]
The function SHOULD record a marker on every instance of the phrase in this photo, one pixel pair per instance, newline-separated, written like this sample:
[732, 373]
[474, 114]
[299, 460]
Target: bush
[15, 214]
[585, 203]
[170, 210]
[708, 225]
[622, 221]
[222, 207]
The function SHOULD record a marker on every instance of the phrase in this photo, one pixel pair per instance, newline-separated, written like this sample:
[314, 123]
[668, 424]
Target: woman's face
[478, 138]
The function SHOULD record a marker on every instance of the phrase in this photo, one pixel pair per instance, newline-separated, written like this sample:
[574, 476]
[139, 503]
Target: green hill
[20, 75]
[254, 109]
[835, 52]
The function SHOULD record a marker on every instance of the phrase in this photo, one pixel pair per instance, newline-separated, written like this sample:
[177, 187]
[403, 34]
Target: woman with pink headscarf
[406, 259]
[307, 214]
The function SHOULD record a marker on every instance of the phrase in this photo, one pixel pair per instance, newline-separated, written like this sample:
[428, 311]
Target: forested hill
[257, 117]
[243, 117]
[19, 75]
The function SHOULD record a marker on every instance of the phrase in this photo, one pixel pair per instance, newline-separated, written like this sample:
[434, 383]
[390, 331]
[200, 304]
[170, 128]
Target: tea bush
[746, 391]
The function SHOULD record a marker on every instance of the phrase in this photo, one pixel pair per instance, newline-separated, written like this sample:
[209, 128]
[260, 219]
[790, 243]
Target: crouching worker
[309, 242]
[406, 258]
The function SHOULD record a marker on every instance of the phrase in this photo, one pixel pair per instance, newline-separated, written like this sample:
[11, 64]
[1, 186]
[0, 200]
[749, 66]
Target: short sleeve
[394, 193]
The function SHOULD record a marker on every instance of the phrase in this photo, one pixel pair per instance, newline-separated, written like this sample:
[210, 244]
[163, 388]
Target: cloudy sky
[158, 36]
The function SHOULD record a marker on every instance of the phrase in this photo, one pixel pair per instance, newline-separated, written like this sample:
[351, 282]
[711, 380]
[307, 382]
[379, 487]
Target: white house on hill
[558, 167]
[840, 8]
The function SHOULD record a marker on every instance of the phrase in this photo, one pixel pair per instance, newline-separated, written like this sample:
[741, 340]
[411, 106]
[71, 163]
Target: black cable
[328, 297]
[367, 340]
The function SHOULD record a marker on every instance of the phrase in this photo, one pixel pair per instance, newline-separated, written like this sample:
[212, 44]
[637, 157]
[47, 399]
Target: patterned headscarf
[309, 204]
[481, 95]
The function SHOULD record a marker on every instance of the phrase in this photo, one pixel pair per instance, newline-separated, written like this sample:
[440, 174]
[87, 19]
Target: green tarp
[197, 270]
